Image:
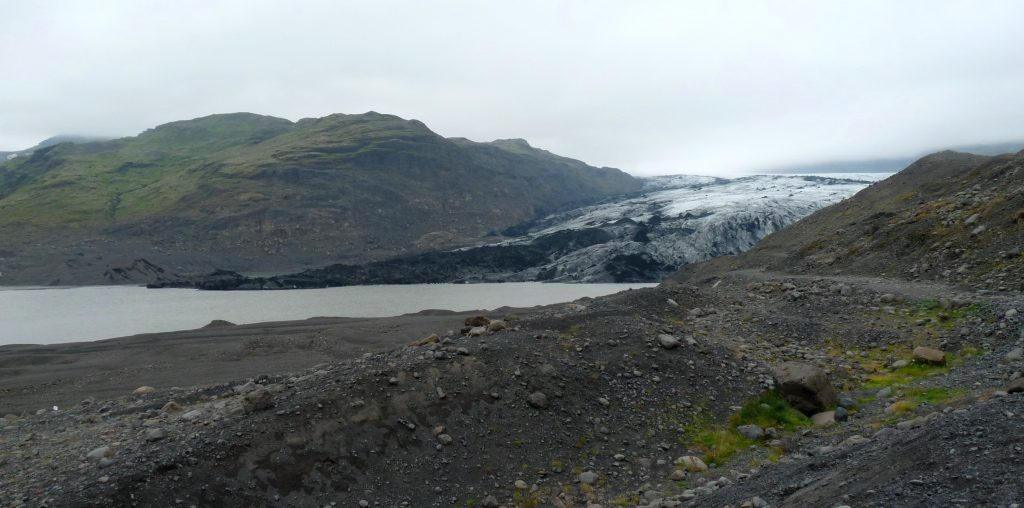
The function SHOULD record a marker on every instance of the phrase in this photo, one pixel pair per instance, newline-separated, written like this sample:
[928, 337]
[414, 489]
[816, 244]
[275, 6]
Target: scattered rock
[692, 464]
[667, 341]
[476, 321]
[929, 356]
[430, 339]
[98, 453]
[171, 407]
[497, 326]
[143, 390]
[192, 415]
[751, 431]
[477, 331]
[824, 418]
[257, 399]
[588, 477]
[245, 388]
[1015, 386]
[537, 400]
[155, 434]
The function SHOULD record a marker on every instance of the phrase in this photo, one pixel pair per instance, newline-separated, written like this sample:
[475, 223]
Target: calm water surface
[55, 315]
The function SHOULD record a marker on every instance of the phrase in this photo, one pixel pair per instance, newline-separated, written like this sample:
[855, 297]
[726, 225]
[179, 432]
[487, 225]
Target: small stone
[257, 400]
[477, 331]
[1014, 355]
[677, 474]
[603, 401]
[97, 453]
[430, 339]
[363, 503]
[757, 502]
[1010, 314]
[1015, 386]
[667, 341]
[537, 400]
[392, 381]
[143, 390]
[155, 434]
[521, 485]
[588, 477]
[490, 502]
[929, 356]
[899, 364]
[692, 464]
[841, 414]
[751, 431]
[445, 439]
[497, 325]
[824, 418]
[245, 388]
[192, 415]
[855, 440]
[171, 407]
[476, 321]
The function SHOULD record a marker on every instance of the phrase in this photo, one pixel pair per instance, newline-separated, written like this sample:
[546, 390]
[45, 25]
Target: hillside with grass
[251, 192]
[951, 217]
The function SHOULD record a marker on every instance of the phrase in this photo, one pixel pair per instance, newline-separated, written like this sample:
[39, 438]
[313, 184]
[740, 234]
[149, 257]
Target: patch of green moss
[769, 410]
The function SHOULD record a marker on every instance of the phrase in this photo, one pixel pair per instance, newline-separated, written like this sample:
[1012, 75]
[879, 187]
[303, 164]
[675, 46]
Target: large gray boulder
[805, 387]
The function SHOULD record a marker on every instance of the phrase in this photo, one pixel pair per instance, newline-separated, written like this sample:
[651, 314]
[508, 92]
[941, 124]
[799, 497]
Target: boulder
[805, 387]
[143, 390]
[477, 331]
[497, 326]
[929, 356]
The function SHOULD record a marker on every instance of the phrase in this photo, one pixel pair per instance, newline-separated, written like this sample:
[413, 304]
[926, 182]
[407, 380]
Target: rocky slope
[258, 193]
[675, 221]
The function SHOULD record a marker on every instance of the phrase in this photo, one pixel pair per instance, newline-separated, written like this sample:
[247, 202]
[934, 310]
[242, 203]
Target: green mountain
[257, 193]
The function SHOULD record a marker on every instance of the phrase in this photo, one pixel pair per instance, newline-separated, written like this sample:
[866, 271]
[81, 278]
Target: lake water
[56, 315]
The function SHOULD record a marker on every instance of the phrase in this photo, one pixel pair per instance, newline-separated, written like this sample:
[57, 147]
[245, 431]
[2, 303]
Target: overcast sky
[649, 87]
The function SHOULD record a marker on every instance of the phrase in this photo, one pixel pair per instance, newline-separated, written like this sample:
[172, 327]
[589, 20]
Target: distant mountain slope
[252, 192]
[644, 237]
[950, 216]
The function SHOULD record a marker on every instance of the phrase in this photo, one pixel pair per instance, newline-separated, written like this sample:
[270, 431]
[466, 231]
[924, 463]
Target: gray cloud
[651, 87]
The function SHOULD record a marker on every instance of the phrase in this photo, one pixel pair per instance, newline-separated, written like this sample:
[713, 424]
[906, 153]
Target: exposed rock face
[804, 386]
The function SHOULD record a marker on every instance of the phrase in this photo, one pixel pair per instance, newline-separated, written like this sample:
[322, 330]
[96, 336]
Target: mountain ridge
[268, 193]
